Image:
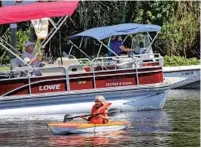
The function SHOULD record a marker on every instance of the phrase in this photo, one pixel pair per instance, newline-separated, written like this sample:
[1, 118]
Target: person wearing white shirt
[28, 56]
[30, 59]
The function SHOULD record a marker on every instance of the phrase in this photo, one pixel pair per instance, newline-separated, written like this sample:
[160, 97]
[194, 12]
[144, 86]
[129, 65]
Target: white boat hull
[122, 98]
[183, 76]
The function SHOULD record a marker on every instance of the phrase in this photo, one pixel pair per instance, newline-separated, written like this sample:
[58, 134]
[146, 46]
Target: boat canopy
[20, 13]
[100, 33]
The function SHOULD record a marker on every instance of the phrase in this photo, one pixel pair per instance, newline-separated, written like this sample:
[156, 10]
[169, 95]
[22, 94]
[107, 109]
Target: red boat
[130, 82]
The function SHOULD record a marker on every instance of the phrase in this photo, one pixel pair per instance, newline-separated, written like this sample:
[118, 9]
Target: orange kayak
[63, 128]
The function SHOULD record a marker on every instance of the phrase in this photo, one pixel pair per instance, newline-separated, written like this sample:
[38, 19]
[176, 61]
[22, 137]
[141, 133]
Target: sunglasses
[97, 101]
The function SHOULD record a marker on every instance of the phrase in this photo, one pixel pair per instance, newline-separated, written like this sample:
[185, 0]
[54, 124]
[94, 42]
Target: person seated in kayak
[116, 45]
[99, 111]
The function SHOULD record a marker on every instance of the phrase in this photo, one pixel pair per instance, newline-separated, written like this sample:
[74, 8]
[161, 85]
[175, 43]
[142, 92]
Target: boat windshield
[141, 42]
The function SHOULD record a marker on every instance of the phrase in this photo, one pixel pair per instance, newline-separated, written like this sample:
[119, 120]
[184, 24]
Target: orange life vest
[102, 111]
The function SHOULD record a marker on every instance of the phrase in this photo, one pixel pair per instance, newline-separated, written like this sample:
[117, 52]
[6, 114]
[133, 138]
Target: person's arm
[28, 60]
[85, 118]
[36, 59]
[123, 48]
[104, 117]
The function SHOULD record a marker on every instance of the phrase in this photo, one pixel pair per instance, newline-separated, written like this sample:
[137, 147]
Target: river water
[178, 124]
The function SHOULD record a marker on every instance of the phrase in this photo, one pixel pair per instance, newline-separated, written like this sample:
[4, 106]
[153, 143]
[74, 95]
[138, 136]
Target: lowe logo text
[50, 87]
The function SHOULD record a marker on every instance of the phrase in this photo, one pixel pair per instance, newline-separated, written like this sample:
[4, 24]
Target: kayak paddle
[111, 112]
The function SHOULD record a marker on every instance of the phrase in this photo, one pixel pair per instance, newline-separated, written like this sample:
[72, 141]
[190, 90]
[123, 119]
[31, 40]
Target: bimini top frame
[36, 10]
[128, 29]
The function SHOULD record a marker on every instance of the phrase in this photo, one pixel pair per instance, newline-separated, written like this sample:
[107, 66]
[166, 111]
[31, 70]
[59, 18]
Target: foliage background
[180, 21]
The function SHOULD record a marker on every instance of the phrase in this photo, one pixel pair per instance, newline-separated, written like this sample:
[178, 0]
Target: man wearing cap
[28, 56]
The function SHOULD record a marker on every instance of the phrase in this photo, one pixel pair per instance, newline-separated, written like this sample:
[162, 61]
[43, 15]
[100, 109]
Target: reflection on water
[178, 124]
[183, 106]
[99, 139]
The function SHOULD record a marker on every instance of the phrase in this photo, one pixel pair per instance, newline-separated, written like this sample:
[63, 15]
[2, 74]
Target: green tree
[182, 29]
[179, 21]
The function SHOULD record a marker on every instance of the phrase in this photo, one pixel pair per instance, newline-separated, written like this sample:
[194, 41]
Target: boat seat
[72, 65]
[66, 61]
[143, 50]
[14, 65]
[76, 69]
[4, 75]
[18, 69]
[52, 70]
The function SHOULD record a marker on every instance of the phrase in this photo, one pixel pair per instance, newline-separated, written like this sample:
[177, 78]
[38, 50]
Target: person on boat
[116, 45]
[28, 56]
[99, 111]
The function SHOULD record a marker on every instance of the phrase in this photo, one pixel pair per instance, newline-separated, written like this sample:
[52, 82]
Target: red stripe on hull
[9, 85]
[147, 79]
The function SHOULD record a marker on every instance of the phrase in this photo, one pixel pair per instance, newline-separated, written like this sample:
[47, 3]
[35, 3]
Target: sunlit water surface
[178, 124]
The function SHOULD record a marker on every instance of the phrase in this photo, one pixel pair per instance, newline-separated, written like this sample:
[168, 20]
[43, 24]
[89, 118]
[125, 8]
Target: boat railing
[105, 64]
[133, 61]
[123, 67]
[84, 61]
[65, 75]
[150, 58]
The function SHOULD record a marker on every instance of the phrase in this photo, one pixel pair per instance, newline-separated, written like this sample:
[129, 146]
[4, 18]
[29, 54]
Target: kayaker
[99, 111]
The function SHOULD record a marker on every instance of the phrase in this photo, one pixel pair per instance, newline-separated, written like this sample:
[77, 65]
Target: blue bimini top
[100, 33]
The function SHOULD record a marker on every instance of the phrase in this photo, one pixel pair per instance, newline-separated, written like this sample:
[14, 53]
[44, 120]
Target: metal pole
[10, 46]
[61, 54]
[13, 29]
[148, 49]
[53, 32]
[99, 50]
[79, 49]
[107, 47]
[81, 42]
[14, 54]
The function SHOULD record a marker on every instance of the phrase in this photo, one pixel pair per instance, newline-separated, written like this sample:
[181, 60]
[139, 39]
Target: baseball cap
[28, 43]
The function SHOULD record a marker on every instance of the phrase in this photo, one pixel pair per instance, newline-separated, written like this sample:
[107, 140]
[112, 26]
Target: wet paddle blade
[67, 118]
